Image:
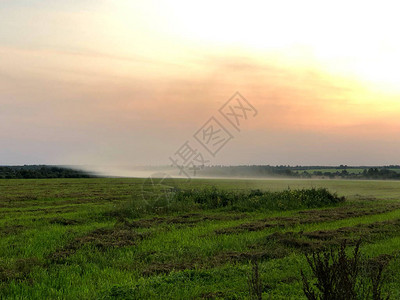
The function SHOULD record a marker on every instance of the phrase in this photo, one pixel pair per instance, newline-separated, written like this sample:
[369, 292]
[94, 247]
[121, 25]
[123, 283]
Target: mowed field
[61, 239]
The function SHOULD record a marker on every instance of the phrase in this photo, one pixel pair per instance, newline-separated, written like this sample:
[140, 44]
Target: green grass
[49, 246]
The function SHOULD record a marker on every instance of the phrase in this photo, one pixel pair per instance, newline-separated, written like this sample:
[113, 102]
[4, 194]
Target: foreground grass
[49, 246]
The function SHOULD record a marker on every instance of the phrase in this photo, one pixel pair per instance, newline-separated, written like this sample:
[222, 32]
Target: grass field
[61, 239]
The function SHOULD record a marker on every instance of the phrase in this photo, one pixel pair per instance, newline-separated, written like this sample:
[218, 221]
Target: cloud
[84, 107]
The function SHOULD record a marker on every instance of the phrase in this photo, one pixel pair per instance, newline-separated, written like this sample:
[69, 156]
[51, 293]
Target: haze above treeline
[243, 171]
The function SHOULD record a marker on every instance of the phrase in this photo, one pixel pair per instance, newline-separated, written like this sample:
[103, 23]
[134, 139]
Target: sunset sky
[128, 82]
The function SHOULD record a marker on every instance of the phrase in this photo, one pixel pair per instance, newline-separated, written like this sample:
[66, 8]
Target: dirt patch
[147, 223]
[294, 240]
[12, 229]
[217, 260]
[253, 226]
[64, 209]
[322, 239]
[58, 202]
[105, 238]
[18, 198]
[165, 268]
[368, 232]
[188, 219]
[102, 239]
[345, 212]
[264, 254]
[20, 270]
[63, 221]
[309, 217]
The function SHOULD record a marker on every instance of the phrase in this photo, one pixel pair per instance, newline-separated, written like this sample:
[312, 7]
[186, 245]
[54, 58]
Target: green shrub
[254, 282]
[339, 276]
[178, 200]
[211, 198]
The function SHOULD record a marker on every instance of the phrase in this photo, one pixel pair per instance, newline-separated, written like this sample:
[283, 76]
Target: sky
[124, 83]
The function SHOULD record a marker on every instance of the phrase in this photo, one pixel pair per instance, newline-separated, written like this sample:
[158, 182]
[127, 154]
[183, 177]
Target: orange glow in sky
[127, 81]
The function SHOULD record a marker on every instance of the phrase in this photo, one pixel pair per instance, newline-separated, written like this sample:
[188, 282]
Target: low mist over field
[249, 171]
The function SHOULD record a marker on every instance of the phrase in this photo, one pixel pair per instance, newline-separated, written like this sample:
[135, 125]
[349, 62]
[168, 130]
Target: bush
[178, 200]
[254, 282]
[210, 198]
[338, 276]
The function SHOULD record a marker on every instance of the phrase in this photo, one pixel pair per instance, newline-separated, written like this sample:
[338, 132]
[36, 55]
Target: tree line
[41, 171]
[342, 171]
